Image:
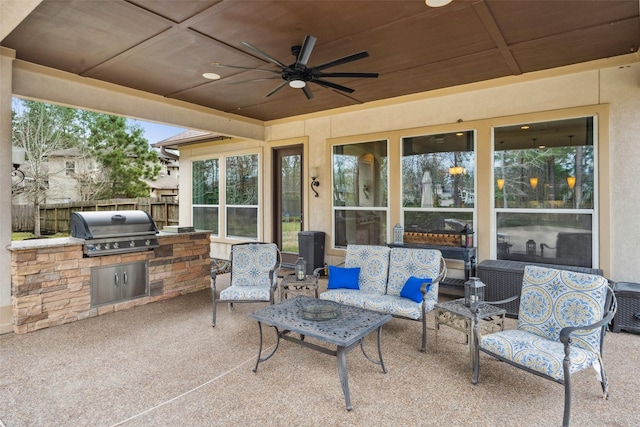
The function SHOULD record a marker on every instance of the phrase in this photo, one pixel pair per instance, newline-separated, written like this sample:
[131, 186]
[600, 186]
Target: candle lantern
[531, 247]
[300, 269]
[466, 237]
[398, 235]
[473, 291]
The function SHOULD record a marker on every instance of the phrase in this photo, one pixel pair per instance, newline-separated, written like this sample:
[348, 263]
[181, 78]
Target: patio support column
[6, 62]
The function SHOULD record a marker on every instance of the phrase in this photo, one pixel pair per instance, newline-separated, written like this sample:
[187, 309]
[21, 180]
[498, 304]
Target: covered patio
[163, 364]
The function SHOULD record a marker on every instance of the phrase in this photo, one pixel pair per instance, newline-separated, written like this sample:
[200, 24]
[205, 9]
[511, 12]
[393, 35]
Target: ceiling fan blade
[217, 64]
[280, 86]
[362, 75]
[305, 52]
[346, 59]
[307, 92]
[333, 85]
[265, 55]
[253, 80]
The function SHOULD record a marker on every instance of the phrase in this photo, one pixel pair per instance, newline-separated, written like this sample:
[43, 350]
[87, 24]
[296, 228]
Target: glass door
[288, 196]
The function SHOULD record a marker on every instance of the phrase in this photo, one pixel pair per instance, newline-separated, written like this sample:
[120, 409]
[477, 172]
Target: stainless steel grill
[114, 232]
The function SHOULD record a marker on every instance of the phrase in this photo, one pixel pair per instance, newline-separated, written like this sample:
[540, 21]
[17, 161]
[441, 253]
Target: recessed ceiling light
[211, 76]
[524, 127]
[437, 3]
[460, 134]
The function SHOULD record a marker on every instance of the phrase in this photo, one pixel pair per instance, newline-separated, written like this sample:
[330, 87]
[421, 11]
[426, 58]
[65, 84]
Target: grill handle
[118, 218]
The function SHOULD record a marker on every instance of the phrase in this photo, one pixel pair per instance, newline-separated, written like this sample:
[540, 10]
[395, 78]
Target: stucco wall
[620, 151]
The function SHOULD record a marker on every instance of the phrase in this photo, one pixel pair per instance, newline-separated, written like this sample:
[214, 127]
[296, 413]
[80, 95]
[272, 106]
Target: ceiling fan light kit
[437, 3]
[297, 75]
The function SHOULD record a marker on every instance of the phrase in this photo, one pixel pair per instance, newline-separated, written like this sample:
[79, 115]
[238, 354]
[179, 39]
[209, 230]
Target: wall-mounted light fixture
[571, 181]
[314, 179]
[534, 182]
[17, 159]
[457, 170]
[500, 182]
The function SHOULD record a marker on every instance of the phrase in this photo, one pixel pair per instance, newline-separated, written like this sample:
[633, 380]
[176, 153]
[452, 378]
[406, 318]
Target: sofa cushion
[374, 266]
[411, 288]
[342, 277]
[407, 262]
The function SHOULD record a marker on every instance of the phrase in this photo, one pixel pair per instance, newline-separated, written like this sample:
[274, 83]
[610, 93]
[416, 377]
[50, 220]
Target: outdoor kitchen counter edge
[71, 241]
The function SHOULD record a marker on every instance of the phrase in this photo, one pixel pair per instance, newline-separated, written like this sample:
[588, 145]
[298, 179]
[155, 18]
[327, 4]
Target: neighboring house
[68, 171]
[167, 183]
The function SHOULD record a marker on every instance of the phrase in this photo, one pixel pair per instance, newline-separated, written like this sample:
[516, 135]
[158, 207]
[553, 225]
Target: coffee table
[346, 331]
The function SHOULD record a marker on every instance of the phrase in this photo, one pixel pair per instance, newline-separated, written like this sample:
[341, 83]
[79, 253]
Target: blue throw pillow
[411, 288]
[346, 278]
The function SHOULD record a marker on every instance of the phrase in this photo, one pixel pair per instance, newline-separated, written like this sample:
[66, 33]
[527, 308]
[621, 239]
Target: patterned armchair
[561, 327]
[254, 275]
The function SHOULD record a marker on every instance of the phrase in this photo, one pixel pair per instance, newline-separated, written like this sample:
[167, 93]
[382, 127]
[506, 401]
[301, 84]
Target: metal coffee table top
[349, 327]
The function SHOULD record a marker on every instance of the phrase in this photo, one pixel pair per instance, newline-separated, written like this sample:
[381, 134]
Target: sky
[155, 132]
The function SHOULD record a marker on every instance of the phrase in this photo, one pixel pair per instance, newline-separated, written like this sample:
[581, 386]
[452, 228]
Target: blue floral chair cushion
[551, 300]
[374, 266]
[253, 275]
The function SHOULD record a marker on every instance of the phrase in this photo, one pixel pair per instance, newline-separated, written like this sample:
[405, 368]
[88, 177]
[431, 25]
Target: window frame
[445, 209]
[335, 208]
[593, 211]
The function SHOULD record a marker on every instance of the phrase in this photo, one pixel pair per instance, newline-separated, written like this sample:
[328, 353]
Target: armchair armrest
[214, 275]
[441, 275]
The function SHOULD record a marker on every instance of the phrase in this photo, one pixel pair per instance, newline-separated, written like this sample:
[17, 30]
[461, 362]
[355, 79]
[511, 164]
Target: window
[242, 196]
[438, 182]
[545, 191]
[360, 193]
[205, 195]
[70, 168]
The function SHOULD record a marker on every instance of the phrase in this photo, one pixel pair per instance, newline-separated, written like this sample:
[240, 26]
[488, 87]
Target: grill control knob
[116, 245]
[132, 243]
[106, 246]
[98, 247]
[147, 242]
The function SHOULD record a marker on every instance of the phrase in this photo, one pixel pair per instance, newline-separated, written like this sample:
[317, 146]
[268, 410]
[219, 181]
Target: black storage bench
[504, 279]
[628, 315]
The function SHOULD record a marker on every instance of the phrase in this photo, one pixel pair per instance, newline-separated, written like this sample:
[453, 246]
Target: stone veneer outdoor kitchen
[51, 280]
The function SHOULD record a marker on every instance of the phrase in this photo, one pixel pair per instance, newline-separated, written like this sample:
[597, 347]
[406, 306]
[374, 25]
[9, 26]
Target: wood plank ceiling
[164, 47]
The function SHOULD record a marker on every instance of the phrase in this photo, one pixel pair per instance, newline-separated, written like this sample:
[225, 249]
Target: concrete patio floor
[164, 365]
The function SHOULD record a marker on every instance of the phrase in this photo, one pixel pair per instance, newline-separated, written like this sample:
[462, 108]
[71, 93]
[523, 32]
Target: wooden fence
[55, 218]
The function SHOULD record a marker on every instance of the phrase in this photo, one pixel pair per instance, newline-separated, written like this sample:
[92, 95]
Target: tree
[124, 155]
[42, 129]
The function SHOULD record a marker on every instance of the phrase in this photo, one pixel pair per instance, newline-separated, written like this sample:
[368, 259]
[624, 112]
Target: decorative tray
[319, 310]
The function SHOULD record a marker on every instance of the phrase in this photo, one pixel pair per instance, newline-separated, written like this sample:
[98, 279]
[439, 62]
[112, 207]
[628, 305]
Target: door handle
[126, 279]
[116, 280]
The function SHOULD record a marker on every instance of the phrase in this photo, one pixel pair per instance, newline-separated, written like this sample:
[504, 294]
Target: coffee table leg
[262, 359]
[342, 372]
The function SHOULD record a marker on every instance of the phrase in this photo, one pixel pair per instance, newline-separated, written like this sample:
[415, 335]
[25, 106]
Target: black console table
[468, 255]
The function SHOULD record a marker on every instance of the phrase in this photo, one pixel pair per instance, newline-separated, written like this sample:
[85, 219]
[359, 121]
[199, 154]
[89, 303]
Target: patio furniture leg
[262, 359]
[342, 372]
[379, 361]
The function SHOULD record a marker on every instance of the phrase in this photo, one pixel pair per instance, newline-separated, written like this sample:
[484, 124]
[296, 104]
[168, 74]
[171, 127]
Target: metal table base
[345, 332]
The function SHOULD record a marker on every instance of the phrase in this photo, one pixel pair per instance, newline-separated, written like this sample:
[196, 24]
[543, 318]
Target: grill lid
[104, 224]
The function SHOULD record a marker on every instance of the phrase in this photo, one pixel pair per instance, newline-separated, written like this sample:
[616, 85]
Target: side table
[458, 316]
[290, 286]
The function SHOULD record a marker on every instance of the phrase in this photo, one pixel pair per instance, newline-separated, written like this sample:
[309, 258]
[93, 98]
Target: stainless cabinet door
[105, 285]
[134, 280]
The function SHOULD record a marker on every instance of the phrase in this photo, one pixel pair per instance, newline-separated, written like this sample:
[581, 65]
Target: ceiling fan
[297, 75]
